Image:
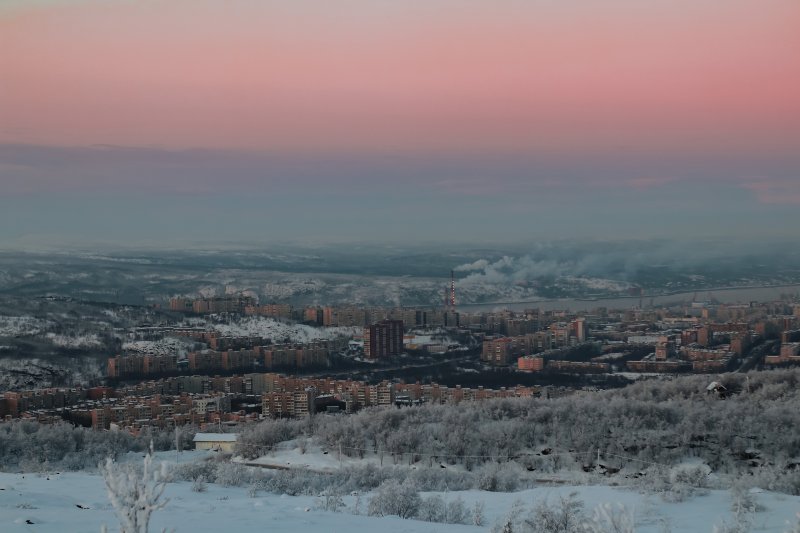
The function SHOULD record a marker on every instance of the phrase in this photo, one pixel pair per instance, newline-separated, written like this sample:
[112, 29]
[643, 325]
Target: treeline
[640, 433]
[32, 447]
[754, 431]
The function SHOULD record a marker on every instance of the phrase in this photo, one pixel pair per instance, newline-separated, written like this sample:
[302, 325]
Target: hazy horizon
[163, 124]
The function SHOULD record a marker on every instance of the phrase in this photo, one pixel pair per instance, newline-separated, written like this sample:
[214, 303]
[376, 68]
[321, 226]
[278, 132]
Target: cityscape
[456, 266]
[232, 380]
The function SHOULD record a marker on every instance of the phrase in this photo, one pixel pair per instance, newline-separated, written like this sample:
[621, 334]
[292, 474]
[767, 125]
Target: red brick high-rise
[383, 339]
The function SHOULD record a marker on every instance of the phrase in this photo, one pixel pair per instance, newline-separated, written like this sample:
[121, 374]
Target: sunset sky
[187, 121]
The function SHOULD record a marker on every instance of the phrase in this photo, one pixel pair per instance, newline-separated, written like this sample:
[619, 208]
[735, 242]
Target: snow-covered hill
[165, 346]
[269, 328]
[29, 373]
[23, 326]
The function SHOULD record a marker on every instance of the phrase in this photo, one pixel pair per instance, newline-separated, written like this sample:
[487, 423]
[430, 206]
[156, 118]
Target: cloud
[775, 192]
[650, 182]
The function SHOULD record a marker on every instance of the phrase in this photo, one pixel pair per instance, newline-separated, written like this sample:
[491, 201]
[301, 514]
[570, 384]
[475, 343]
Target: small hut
[220, 442]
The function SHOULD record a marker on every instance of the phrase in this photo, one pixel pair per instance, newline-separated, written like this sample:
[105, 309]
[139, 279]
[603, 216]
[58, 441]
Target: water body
[735, 295]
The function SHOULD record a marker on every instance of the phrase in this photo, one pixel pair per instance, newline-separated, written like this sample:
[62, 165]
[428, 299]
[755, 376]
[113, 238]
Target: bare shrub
[134, 495]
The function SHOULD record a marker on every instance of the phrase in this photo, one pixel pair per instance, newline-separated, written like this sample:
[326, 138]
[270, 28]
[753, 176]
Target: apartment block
[529, 363]
[384, 339]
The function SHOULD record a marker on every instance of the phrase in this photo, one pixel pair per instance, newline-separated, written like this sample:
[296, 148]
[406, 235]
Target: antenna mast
[452, 290]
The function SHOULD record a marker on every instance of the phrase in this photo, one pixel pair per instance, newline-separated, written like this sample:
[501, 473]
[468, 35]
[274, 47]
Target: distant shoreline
[592, 300]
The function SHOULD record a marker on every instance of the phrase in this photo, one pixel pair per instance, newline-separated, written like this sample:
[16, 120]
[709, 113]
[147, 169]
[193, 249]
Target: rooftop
[215, 437]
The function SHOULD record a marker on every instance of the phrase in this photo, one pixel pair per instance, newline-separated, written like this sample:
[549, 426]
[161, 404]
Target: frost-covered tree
[135, 495]
[564, 517]
[432, 509]
[456, 511]
[330, 500]
[743, 505]
[199, 484]
[737, 525]
[510, 523]
[794, 528]
[477, 513]
[609, 518]
[393, 498]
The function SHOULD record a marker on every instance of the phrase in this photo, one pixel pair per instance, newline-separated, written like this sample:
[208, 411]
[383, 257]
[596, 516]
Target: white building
[223, 442]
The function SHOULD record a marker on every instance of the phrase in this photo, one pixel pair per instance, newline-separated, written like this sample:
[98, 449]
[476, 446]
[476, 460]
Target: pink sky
[494, 76]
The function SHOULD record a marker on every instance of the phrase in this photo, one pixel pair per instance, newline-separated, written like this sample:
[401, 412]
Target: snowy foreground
[76, 502]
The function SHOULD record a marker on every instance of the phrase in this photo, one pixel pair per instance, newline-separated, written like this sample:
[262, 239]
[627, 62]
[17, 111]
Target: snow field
[77, 502]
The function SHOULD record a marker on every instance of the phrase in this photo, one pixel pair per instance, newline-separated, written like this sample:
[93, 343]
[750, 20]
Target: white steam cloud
[620, 261]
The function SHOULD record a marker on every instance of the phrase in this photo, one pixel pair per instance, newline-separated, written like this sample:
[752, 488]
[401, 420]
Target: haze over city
[189, 122]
